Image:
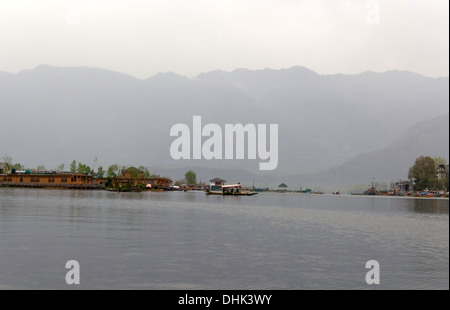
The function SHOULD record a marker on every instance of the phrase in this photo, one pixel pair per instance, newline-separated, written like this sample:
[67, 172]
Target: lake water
[187, 241]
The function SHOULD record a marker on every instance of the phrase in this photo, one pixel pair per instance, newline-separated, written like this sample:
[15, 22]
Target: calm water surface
[178, 240]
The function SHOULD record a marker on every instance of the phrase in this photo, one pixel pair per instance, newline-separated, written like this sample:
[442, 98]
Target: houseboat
[68, 180]
[218, 187]
[64, 180]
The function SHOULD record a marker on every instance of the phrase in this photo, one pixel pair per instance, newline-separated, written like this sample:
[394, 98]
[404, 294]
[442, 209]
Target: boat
[217, 187]
[426, 193]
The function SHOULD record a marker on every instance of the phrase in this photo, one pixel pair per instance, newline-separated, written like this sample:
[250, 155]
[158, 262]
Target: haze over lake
[355, 92]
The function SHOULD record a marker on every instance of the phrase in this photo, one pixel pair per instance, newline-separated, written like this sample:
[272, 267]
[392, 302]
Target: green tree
[41, 168]
[17, 167]
[424, 171]
[134, 172]
[83, 169]
[60, 168]
[101, 171]
[8, 161]
[144, 171]
[73, 167]
[113, 170]
[179, 182]
[191, 177]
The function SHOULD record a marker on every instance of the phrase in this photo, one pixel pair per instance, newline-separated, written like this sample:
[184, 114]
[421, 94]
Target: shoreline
[203, 192]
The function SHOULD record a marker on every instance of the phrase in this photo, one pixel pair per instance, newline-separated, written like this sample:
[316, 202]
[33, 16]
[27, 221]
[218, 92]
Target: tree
[95, 162]
[134, 172]
[17, 167]
[41, 168]
[179, 182]
[191, 177]
[8, 161]
[83, 169]
[113, 170]
[145, 171]
[60, 168]
[73, 167]
[424, 171]
[439, 161]
[101, 171]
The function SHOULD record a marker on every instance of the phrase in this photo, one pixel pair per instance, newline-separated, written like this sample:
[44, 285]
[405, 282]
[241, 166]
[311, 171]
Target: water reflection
[426, 205]
[177, 240]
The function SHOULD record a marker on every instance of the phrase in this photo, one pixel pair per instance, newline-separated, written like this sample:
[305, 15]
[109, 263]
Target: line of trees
[81, 168]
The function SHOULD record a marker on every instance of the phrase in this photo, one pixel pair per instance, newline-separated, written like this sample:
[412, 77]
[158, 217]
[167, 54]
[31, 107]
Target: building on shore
[441, 171]
[282, 188]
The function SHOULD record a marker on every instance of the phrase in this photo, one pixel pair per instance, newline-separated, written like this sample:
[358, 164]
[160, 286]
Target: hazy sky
[144, 37]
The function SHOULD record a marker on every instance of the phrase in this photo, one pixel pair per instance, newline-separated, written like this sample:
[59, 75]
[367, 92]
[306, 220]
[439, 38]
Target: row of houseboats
[372, 191]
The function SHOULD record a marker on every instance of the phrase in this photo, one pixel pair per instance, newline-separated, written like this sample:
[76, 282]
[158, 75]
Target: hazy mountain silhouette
[55, 115]
[429, 138]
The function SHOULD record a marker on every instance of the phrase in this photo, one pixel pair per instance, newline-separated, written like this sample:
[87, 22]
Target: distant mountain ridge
[53, 115]
[429, 138]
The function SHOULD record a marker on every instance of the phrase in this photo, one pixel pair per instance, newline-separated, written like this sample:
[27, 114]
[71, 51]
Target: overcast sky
[144, 37]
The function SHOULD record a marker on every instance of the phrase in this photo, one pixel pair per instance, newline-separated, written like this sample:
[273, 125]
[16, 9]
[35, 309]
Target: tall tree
[424, 171]
[191, 177]
[8, 161]
[101, 171]
[60, 168]
[95, 163]
[73, 167]
[113, 170]
[83, 169]
[145, 171]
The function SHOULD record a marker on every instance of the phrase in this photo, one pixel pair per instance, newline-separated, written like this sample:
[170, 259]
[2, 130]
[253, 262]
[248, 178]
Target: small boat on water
[427, 193]
[217, 187]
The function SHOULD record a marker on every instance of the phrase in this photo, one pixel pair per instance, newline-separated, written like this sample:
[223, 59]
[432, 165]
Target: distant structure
[217, 182]
[282, 187]
[441, 171]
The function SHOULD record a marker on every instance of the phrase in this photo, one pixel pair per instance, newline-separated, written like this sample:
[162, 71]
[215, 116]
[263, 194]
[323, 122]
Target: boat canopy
[232, 185]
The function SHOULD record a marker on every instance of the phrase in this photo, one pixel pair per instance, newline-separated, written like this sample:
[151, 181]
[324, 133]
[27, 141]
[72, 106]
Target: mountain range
[333, 129]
